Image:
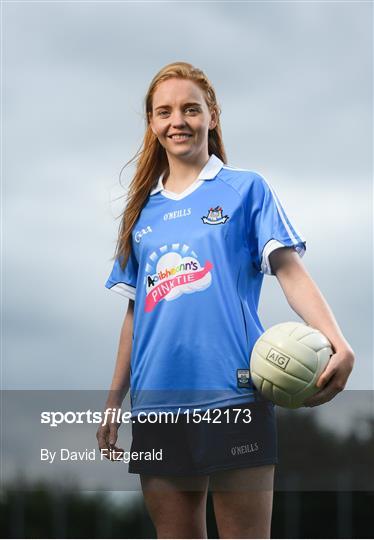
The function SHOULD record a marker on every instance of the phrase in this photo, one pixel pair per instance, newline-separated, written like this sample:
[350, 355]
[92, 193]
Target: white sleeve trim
[270, 246]
[125, 290]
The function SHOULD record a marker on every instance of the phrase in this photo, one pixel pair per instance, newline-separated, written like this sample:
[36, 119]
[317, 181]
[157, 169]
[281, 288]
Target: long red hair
[152, 158]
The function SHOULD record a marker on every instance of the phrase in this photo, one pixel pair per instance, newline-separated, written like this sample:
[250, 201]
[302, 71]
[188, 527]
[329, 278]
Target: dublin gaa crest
[215, 216]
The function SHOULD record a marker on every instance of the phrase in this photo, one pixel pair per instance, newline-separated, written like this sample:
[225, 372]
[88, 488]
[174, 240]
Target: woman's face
[179, 107]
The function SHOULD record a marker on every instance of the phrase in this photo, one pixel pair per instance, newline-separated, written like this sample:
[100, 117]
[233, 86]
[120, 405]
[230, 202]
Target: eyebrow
[185, 104]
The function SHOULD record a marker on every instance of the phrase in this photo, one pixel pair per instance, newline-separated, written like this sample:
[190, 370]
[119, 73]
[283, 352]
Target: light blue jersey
[195, 272]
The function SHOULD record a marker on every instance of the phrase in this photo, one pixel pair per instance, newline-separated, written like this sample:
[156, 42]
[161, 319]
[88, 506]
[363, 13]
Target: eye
[193, 110]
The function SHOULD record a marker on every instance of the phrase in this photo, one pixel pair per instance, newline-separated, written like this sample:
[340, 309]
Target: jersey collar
[208, 172]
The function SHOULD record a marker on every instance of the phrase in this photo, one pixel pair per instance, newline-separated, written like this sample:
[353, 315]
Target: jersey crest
[215, 216]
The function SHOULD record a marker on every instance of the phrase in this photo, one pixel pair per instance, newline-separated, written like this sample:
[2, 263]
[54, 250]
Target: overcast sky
[294, 82]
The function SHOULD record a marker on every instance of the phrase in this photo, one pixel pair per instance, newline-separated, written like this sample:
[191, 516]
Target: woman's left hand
[334, 377]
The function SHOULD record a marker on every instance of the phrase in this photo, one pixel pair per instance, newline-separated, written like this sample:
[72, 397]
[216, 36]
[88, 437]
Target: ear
[213, 120]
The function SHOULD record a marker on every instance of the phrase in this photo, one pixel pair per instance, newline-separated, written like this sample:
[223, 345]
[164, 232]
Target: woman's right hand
[106, 436]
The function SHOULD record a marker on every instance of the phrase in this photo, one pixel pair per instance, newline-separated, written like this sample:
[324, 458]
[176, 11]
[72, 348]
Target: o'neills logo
[175, 273]
[244, 449]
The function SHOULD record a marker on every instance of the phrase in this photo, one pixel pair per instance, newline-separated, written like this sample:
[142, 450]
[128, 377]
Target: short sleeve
[268, 226]
[124, 281]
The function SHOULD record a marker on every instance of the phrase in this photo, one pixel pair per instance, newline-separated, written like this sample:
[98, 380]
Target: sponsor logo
[174, 271]
[278, 358]
[177, 214]
[244, 449]
[215, 216]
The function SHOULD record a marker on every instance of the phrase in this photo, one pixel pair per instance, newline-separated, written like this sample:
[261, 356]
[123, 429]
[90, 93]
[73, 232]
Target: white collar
[208, 172]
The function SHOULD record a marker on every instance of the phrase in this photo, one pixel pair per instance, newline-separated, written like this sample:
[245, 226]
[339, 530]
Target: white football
[286, 362]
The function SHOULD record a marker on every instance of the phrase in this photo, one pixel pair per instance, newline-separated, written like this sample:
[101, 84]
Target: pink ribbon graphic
[160, 291]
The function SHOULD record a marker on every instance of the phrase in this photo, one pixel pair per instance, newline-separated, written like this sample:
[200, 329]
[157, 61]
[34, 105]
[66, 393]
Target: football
[286, 362]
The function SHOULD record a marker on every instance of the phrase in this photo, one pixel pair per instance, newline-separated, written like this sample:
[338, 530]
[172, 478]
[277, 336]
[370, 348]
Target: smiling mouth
[180, 137]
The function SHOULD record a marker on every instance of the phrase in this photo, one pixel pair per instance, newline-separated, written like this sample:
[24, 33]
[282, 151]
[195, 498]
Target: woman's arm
[121, 377]
[107, 433]
[307, 301]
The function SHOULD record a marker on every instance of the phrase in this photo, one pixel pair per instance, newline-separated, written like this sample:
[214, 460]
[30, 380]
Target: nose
[177, 119]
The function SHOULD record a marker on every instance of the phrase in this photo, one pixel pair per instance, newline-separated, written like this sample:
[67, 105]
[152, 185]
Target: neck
[183, 170]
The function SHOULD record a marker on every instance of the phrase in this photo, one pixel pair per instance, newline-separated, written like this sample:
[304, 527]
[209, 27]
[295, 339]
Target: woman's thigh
[176, 505]
[243, 501]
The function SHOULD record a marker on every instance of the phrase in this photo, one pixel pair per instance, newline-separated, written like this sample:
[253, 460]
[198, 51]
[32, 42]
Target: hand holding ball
[286, 362]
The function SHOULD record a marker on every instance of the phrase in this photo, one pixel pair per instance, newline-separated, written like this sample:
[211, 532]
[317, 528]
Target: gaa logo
[278, 358]
[138, 234]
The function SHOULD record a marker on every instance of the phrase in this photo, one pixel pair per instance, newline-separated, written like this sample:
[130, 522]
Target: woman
[196, 239]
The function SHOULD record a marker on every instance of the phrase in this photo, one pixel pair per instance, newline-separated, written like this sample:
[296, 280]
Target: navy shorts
[226, 439]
